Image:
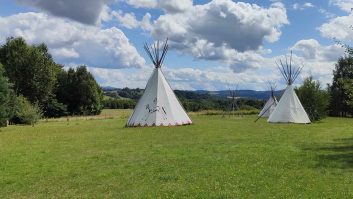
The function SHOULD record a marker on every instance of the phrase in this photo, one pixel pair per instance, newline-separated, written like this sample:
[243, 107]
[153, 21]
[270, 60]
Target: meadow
[231, 157]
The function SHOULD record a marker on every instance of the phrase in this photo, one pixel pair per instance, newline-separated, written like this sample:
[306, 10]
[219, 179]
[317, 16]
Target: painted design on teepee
[158, 105]
[152, 108]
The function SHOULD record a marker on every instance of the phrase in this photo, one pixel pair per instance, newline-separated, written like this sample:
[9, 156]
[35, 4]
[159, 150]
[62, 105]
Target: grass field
[214, 158]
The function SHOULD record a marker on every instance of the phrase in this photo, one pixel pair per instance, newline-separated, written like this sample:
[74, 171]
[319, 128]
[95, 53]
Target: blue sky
[214, 44]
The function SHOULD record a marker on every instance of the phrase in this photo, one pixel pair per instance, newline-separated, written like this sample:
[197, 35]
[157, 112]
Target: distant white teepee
[289, 109]
[158, 105]
[270, 105]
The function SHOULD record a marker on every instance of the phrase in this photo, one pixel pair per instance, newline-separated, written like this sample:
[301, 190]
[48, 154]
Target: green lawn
[214, 158]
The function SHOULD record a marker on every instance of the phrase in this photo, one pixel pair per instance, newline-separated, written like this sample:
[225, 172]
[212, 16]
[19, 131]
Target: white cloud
[105, 15]
[128, 20]
[319, 60]
[345, 5]
[70, 41]
[339, 28]
[311, 49]
[84, 11]
[143, 3]
[306, 5]
[170, 6]
[174, 6]
[222, 30]
[65, 52]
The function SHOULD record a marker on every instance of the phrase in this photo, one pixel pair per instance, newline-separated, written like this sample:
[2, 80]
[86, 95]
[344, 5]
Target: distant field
[96, 157]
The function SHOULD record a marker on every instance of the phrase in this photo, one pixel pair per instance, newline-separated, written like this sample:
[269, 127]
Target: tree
[80, 92]
[30, 69]
[341, 90]
[5, 98]
[314, 100]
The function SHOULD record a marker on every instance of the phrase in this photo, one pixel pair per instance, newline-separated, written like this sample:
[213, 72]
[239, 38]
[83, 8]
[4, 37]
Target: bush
[314, 100]
[25, 112]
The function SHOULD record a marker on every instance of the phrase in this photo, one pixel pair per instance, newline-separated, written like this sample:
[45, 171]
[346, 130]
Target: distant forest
[191, 100]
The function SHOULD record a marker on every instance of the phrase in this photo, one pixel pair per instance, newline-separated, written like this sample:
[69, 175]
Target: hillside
[250, 94]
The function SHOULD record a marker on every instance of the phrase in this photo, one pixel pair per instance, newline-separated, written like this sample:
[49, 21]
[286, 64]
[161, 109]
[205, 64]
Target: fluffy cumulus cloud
[319, 60]
[84, 11]
[170, 6]
[339, 28]
[70, 41]
[345, 5]
[311, 49]
[222, 30]
[129, 21]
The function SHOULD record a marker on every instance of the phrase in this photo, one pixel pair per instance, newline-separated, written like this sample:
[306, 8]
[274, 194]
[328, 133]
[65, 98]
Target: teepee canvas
[158, 105]
[289, 109]
[270, 105]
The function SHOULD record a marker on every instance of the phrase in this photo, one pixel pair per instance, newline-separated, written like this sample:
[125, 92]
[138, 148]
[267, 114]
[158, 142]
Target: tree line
[32, 85]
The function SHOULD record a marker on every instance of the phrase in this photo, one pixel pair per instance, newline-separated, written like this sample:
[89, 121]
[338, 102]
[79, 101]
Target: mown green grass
[214, 158]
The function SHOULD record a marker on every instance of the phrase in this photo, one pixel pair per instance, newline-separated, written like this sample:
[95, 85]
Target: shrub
[25, 112]
[314, 100]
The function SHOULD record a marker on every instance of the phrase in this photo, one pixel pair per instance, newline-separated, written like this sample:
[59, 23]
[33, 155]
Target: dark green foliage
[341, 90]
[80, 92]
[25, 112]
[112, 94]
[34, 75]
[314, 100]
[5, 95]
[30, 69]
[112, 103]
[53, 108]
[130, 93]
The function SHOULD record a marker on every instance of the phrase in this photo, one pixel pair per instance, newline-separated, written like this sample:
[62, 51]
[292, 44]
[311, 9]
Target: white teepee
[289, 109]
[158, 105]
[270, 105]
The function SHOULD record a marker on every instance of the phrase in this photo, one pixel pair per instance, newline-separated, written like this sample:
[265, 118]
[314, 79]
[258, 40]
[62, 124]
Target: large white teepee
[158, 105]
[289, 109]
[270, 105]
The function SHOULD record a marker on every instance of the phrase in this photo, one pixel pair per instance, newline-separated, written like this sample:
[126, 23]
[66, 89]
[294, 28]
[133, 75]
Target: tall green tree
[31, 70]
[341, 90]
[314, 100]
[5, 98]
[80, 92]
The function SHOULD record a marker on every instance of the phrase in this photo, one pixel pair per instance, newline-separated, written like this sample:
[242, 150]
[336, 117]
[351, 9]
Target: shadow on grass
[338, 154]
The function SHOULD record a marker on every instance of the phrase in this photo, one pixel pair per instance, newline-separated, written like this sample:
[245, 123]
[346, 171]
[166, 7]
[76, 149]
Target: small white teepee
[158, 105]
[289, 109]
[270, 105]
